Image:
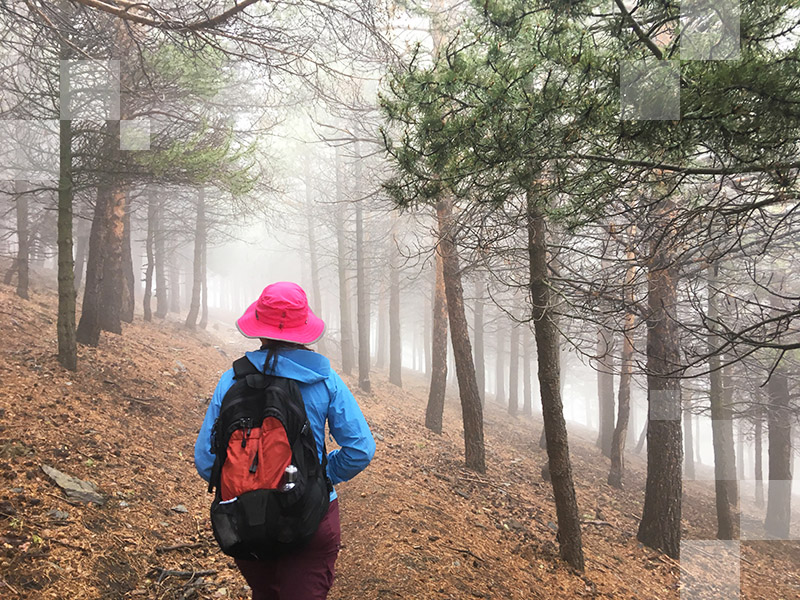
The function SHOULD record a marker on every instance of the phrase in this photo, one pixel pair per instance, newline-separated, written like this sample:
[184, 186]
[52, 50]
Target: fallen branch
[145, 401]
[464, 551]
[182, 574]
[8, 585]
[598, 523]
[185, 546]
[67, 545]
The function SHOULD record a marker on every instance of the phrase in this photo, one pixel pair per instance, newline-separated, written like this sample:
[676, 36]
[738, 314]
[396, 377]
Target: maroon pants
[307, 575]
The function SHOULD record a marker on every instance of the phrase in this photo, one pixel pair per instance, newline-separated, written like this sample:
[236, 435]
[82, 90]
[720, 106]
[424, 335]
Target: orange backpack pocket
[256, 459]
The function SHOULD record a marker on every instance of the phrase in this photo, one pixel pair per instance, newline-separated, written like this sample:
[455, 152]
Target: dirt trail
[415, 524]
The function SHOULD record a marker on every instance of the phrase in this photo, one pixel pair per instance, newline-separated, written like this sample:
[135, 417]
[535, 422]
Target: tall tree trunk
[148, 274]
[113, 282]
[779, 420]
[395, 341]
[527, 384]
[81, 250]
[382, 349]
[204, 283]
[197, 269]
[500, 370]
[660, 526]
[759, 452]
[65, 325]
[605, 390]
[433, 412]
[480, 361]
[88, 331]
[23, 249]
[160, 259]
[471, 407]
[721, 422]
[642, 437]
[733, 467]
[345, 320]
[697, 455]
[513, 373]
[176, 265]
[312, 255]
[548, 357]
[129, 287]
[362, 295]
[688, 440]
[620, 435]
[427, 336]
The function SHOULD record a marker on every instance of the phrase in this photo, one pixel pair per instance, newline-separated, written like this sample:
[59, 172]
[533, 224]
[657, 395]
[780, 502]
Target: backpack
[261, 430]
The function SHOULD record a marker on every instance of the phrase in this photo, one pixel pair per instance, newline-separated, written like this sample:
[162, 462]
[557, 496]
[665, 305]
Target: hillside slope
[415, 524]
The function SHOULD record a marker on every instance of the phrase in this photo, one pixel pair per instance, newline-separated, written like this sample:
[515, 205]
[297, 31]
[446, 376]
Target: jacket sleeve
[350, 430]
[203, 458]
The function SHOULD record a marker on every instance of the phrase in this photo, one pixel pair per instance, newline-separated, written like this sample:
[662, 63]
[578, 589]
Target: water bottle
[289, 478]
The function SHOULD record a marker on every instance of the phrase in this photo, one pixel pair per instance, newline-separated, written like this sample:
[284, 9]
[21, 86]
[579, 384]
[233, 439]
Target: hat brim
[249, 326]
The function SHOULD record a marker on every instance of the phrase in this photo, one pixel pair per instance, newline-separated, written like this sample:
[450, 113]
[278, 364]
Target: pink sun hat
[282, 313]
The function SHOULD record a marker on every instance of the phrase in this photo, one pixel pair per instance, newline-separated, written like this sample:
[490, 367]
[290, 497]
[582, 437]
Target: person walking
[285, 325]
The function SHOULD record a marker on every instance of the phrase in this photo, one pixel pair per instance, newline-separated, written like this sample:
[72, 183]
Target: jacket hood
[304, 366]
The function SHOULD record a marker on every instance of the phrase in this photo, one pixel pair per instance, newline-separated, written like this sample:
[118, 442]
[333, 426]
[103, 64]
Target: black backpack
[261, 430]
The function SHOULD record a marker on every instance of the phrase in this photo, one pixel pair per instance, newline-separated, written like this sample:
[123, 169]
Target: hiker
[282, 320]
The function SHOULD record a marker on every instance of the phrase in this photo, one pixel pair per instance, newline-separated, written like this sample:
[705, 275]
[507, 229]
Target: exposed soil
[416, 524]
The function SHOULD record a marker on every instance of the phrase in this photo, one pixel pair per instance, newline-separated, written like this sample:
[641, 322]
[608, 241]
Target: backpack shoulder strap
[242, 367]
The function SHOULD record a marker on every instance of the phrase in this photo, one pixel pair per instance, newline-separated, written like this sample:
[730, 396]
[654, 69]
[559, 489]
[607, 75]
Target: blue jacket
[326, 398]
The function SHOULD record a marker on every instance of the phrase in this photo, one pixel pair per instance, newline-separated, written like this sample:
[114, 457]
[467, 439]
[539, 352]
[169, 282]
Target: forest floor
[415, 524]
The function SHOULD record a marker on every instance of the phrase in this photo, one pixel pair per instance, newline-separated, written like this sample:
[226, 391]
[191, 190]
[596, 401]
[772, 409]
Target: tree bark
[527, 384]
[548, 356]
[362, 294]
[721, 423]
[345, 322]
[759, 452]
[65, 324]
[395, 340]
[605, 390]
[642, 437]
[204, 284]
[779, 421]
[113, 282]
[660, 526]
[148, 274]
[81, 249]
[177, 291]
[433, 412]
[312, 256]
[159, 259]
[480, 361]
[382, 349]
[471, 407]
[500, 370]
[688, 441]
[129, 277]
[513, 373]
[197, 268]
[23, 248]
[620, 435]
[88, 331]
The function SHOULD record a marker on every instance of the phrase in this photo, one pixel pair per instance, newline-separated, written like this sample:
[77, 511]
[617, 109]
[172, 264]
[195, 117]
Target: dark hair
[274, 347]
